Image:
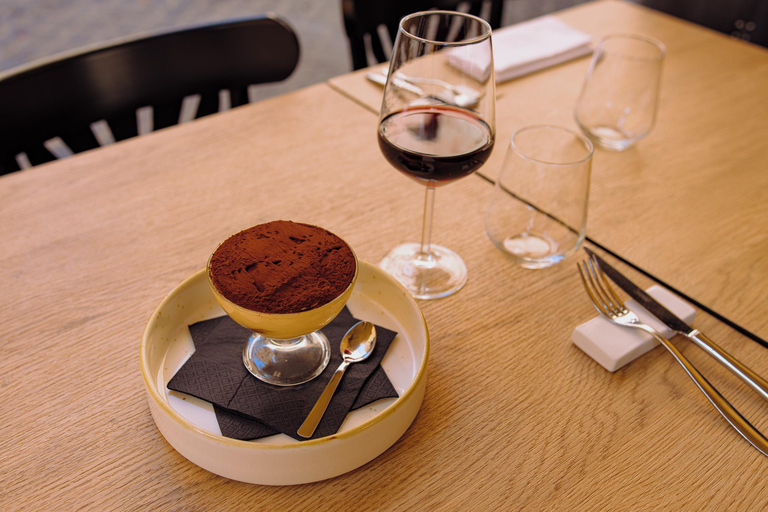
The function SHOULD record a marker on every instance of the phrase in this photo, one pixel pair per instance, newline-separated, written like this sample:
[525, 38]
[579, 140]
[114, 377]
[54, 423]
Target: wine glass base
[434, 275]
[287, 362]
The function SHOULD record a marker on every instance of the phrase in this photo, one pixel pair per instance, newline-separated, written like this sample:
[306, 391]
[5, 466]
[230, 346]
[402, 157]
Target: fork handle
[724, 407]
[736, 367]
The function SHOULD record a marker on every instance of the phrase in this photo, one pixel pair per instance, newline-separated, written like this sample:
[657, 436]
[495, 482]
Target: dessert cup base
[287, 362]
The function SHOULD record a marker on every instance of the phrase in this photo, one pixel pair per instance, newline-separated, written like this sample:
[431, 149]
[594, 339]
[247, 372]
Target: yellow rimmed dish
[189, 424]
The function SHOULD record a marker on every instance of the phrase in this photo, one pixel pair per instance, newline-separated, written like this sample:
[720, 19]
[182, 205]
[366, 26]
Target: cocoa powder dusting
[282, 267]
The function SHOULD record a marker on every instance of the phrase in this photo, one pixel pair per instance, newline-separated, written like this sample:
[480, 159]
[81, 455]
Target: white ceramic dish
[190, 425]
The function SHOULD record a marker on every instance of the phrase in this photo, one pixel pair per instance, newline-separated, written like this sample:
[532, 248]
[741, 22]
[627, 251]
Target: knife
[672, 321]
[381, 79]
[443, 97]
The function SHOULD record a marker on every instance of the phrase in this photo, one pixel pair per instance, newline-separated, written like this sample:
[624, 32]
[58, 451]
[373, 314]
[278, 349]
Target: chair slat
[189, 108]
[58, 147]
[103, 133]
[386, 41]
[23, 160]
[145, 120]
[225, 100]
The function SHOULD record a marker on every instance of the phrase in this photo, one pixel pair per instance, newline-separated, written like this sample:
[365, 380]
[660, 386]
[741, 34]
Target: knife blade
[750, 378]
[666, 316]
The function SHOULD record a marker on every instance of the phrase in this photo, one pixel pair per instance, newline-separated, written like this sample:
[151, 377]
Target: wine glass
[431, 134]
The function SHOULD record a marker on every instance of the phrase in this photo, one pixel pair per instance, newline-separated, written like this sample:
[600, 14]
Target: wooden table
[515, 416]
[695, 191]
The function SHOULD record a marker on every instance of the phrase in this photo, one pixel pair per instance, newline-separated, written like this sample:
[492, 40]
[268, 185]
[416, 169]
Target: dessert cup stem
[286, 342]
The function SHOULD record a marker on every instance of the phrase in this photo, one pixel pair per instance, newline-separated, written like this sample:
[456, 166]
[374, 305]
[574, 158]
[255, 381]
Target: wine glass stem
[426, 225]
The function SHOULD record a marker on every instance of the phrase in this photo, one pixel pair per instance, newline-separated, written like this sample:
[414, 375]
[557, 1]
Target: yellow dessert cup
[283, 325]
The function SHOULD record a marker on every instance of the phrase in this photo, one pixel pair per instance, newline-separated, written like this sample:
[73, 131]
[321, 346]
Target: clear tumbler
[538, 211]
[617, 106]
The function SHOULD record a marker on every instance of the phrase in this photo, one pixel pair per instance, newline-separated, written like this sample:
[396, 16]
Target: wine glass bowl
[435, 144]
[285, 348]
[434, 140]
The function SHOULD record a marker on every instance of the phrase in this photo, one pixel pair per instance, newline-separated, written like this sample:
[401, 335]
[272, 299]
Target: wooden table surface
[695, 191]
[515, 416]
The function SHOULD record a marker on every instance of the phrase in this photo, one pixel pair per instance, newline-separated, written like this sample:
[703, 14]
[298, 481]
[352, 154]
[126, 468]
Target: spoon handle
[316, 414]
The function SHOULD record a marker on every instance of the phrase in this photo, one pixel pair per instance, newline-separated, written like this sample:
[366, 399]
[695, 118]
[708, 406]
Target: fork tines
[604, 298]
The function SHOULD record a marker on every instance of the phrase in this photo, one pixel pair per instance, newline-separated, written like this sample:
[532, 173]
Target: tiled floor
[31, 29]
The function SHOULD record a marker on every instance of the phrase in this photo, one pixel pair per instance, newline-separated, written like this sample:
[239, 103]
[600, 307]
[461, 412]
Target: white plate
[190, 425]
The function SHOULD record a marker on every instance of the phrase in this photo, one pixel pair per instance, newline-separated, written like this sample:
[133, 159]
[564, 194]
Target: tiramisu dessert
[282, 267]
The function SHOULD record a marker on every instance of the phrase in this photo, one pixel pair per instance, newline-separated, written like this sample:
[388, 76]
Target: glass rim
[482, 37]
[661, 47]
[586, 142]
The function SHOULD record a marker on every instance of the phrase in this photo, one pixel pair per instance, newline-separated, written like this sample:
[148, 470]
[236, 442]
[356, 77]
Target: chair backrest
[363, 19]
[58, 99]
[743, 19]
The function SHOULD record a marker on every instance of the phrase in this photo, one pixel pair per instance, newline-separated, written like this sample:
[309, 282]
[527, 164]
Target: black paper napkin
[247, 408]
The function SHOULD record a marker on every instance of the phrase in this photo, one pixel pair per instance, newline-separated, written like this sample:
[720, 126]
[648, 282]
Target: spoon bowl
[358, 343]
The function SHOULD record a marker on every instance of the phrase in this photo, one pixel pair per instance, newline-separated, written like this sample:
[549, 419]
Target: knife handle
[723, 406]
[747, 376]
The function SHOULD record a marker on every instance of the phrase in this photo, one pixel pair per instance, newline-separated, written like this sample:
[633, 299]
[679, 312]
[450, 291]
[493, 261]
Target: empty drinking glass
[617, 106]
[538, 212]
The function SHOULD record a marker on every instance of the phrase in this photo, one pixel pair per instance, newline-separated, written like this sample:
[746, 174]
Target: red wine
[435, 143]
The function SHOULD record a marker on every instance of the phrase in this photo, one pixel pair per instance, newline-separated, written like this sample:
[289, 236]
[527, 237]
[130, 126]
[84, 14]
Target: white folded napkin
[524, 48]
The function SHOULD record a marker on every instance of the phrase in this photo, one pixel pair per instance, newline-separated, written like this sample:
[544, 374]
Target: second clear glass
[617, 106]
[538, 212]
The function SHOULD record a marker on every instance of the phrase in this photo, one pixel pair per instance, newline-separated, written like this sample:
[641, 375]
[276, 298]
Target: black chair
[68, 98]
[743, 19]
[362, 19]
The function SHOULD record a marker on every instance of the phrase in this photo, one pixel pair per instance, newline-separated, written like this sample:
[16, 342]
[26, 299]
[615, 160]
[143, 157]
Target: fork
[610, 306]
